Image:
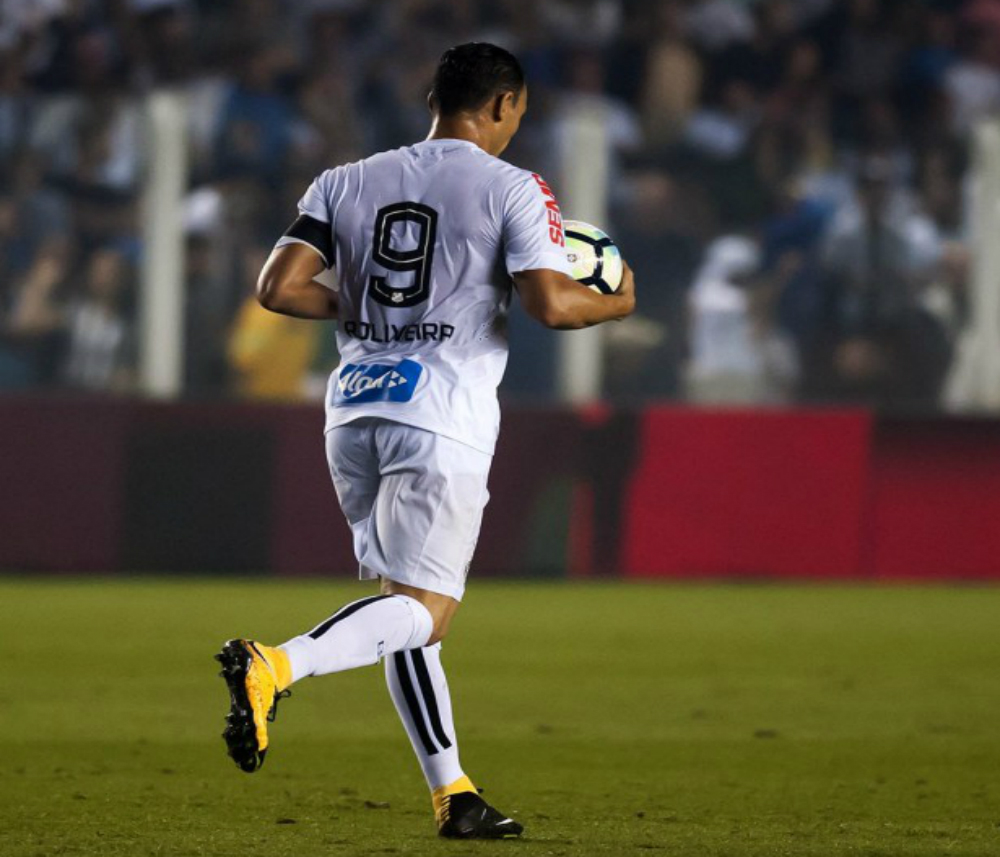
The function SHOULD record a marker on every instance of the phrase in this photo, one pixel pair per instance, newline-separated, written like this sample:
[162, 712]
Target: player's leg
[400, 506]
[370, 475]
[363, 632]
[419, 689]
[441, 531]
[358, 634]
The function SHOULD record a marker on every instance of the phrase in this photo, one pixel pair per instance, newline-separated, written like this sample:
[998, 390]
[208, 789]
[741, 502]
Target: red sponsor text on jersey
[555, 216]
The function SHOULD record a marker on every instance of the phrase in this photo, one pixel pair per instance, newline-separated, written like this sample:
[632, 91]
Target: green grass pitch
[610, 719]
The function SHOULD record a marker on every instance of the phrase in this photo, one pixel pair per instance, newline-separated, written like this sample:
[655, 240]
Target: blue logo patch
[377, 382]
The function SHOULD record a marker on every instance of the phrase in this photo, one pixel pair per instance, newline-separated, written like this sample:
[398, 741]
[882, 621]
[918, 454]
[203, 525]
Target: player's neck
[461, 128]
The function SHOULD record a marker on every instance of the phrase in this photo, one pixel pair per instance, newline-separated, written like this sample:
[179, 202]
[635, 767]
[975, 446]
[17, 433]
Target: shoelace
[282, 694]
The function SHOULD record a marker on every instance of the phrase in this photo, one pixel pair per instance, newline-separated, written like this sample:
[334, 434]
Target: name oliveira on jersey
[422, 332]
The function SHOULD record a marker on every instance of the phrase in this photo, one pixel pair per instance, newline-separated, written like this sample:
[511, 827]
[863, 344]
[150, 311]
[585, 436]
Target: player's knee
[440, 630]
[440, 607]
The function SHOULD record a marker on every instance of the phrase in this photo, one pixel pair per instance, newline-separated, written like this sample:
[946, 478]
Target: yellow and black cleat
[253, 701]
[465, 815]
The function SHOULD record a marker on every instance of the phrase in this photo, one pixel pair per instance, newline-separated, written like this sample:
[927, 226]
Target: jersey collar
[448, 143]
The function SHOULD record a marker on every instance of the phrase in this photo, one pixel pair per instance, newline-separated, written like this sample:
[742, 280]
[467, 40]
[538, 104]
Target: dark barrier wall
[62, 471]
[91, 485]
[105, 485]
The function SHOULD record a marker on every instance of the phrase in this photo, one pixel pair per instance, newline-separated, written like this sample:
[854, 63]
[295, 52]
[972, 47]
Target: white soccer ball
[593, 257]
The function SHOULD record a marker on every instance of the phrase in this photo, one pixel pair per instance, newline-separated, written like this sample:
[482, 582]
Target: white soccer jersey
[417, 235]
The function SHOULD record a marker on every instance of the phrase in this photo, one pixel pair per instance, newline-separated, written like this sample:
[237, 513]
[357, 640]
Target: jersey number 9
[417, 259]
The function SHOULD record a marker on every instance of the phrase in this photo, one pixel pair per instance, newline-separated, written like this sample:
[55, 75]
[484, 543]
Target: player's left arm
[287, 283]
[560, 302]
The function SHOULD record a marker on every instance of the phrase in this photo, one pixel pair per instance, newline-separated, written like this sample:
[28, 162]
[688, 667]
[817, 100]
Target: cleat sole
[240, 733]
[510, 833]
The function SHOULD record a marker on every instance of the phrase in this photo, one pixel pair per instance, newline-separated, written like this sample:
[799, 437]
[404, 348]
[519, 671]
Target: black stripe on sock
[410, 695]
[430, 699]
[343, 613]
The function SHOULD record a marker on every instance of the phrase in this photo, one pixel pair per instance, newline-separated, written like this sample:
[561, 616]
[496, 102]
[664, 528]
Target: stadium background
[808, 393]
[794, 184]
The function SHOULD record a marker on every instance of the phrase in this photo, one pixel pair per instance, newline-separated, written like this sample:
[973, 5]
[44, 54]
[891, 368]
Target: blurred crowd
[789, 178]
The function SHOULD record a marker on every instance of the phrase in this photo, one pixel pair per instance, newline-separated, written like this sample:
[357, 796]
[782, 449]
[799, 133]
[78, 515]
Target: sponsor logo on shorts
[377, 382]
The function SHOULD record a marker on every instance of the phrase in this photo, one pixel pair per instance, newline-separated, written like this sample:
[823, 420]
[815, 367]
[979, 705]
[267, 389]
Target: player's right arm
[560, 302]
[287, 284]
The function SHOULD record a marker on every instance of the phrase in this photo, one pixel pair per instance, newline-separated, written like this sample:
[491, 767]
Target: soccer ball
[593, 257]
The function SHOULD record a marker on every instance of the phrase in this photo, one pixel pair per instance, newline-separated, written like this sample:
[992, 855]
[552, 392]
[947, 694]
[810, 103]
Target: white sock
[419, 689]
[359, 635]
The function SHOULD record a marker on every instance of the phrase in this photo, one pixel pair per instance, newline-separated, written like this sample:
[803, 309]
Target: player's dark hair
[470, 75]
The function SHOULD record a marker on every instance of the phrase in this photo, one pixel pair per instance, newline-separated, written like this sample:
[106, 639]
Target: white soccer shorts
[414, 500]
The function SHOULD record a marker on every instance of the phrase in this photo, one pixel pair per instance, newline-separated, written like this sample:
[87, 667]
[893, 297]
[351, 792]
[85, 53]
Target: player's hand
[626, 291]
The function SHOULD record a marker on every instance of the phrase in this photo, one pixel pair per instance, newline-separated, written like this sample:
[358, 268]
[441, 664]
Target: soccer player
[411, 413]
